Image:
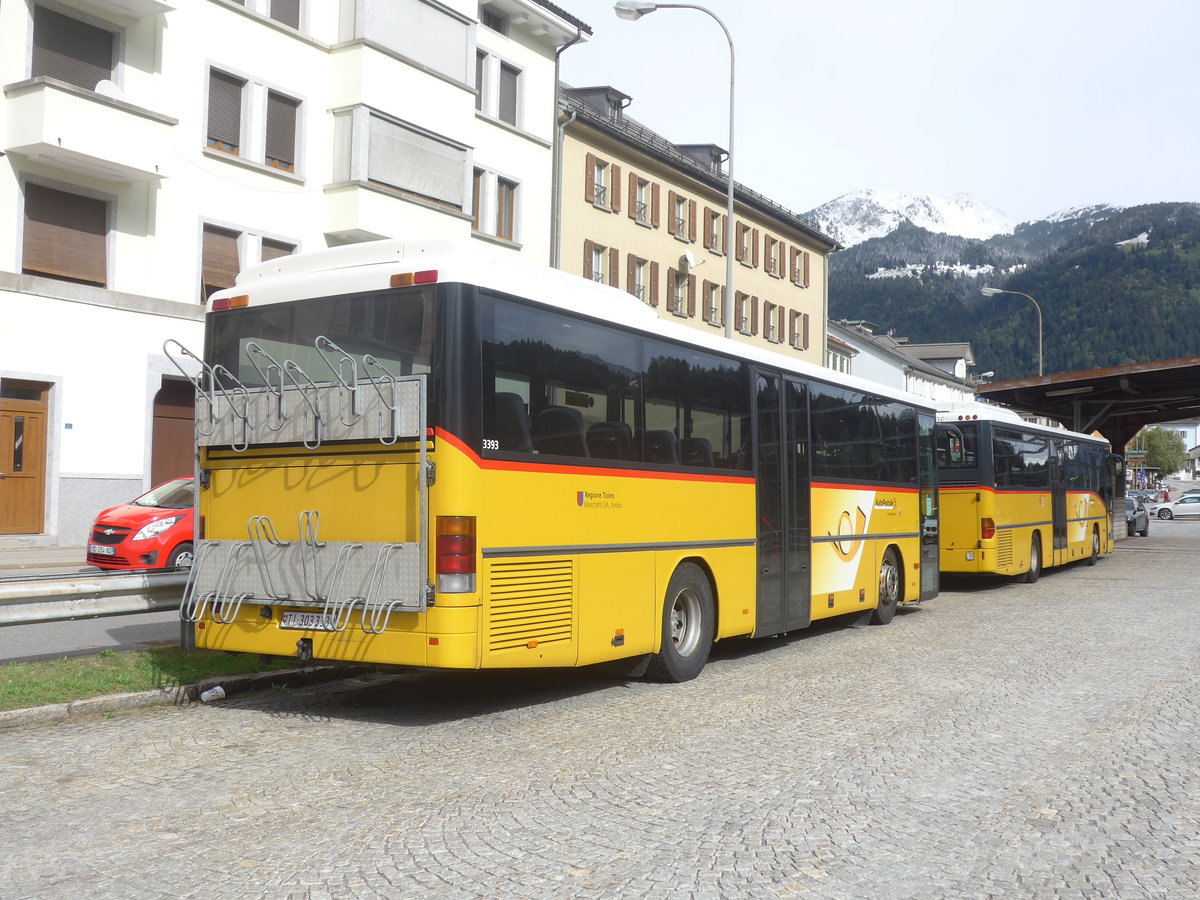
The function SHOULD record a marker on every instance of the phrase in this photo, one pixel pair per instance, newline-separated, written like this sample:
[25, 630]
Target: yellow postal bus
[1017, 497]
[431, 455]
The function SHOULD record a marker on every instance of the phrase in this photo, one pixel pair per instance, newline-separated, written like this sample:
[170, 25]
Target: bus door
[1058, 495]
[927, 489]
[784, 531]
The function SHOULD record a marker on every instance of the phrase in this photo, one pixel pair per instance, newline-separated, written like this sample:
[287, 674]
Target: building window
[714, 303]
[746, 313]
[640, 207]
[637, 282]
[839, 362]
[481, 59]
[506, 204]
[70, 50]
[494, 20]
[773, 322]
[219, 260]
[477, 200]
[601, 264]
[714, 233]
[773, 252]
[272, 249]
[799, 267]
[798, 330]
[281, 131]
[225, 112]
[286, 12]
[599, 181]
[678, 216]
[747, 245]
[65, 236]
[509, 83]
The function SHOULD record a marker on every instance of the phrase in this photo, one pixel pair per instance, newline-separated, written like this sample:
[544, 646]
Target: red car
[155, 531]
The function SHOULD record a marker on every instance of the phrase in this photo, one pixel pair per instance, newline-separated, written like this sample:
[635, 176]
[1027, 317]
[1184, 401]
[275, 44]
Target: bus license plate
[305, 621]
[102, 550]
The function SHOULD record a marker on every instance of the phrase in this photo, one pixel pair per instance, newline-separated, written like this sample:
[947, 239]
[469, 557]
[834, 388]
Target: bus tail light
[456, 554]
[237, 302]
[408, 279]
[987, 528]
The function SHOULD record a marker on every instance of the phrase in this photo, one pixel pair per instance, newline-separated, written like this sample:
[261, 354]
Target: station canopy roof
[1117, 402]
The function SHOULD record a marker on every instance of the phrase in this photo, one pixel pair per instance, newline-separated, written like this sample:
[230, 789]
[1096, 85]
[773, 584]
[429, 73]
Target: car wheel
[1035, 561]
[181, 557]
[688, 626]
[1145, 532]
[1165, 514]
[891, 588]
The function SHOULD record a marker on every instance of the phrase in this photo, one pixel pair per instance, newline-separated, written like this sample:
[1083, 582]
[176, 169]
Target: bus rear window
[396, 327]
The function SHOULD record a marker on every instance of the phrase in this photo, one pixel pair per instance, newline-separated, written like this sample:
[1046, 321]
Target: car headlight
[154, 529]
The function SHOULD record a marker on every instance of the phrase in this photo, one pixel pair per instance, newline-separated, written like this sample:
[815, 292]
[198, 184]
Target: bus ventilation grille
[1004, 545]
[531, 601]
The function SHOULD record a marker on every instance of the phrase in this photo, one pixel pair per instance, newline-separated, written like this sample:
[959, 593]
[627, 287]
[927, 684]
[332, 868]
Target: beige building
[648, 216]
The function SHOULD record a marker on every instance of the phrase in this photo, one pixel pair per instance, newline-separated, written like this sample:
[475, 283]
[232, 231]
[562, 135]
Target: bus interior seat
[695, 451]
[659, 447]
[559, 430]
[610, 440]
[512, 423]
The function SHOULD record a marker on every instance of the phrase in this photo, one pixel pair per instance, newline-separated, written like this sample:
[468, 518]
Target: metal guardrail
[89, 596]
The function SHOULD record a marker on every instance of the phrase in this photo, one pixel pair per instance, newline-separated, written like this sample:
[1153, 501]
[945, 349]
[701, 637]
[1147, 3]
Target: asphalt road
[1004, 741]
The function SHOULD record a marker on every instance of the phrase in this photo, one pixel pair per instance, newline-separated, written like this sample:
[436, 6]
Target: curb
[183, 695]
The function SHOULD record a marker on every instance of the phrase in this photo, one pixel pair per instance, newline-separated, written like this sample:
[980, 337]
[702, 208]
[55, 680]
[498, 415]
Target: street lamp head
[632, 10]
[990, 291]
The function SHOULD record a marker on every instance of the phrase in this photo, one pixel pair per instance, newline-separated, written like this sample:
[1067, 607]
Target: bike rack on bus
[195, 381]
[393, 412]
[262, 532]
[350, 385]
[312, 404]
[253, 348]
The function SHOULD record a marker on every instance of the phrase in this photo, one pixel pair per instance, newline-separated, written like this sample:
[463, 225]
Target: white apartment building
[149, 149]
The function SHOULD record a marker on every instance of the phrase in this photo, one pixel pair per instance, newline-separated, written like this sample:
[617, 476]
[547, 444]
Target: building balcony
[363, 211]
[85, 132]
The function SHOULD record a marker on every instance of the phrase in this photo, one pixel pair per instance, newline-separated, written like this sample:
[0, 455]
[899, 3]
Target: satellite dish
[107, 88]
[687, 261]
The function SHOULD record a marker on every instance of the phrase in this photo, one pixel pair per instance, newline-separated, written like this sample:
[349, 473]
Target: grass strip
[26, 684]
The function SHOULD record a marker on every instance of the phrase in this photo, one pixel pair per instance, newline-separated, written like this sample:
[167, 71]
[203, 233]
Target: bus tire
[1095, 557]
[891, 588]
[688, 626]
[1035, 561]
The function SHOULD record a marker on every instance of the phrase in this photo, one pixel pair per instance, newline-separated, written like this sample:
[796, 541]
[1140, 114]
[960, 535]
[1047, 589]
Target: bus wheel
[1035, 561]
[1095, 557]
[891, 589]
[688, 626]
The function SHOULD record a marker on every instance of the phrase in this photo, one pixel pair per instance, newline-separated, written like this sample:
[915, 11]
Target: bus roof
[1001, 414]
[370, 265]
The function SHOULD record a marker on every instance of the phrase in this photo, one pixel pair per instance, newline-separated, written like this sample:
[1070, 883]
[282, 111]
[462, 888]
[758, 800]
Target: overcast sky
[1031, 106]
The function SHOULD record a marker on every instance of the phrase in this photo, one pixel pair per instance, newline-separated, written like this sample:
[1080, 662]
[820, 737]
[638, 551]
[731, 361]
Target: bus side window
[512, 423]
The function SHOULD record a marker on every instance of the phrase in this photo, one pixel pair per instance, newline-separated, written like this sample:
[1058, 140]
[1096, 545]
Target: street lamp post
[991, 292]
[632, 10]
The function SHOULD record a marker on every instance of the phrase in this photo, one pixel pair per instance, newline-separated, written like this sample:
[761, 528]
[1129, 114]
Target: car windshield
[172, 495]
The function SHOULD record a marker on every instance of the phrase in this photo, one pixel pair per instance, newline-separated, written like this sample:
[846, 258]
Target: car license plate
[305, 621]
[102, 550]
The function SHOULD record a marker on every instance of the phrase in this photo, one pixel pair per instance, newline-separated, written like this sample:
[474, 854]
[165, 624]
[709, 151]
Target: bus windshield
[396, 327]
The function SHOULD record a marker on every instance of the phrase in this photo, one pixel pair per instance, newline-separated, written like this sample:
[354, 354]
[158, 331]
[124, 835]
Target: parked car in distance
[1188, 505]
[1137, 517]
[153, 531]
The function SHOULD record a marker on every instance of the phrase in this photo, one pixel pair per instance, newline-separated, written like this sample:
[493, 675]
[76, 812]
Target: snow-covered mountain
[861, 215]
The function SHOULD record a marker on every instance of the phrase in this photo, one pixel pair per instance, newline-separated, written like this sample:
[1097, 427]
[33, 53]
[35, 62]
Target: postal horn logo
[579, 498]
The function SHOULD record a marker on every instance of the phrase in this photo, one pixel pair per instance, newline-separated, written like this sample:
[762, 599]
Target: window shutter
[671, 211]
[754, 315]
[806, 259]
[219, 263]
[631, 274]
[588, 247]
[792, 273]
[224, 110]
[615, 193]
[692, 221]
[70, 50]
[614, 267]
[275, 249]
[66, 236]
[804, 331]
[654, 284]
[286, 11]
[632, 205]
[706, 294]
[691, 295]
[589, 182]
[671, 306]
[707, 229]
[507, 110]
[654, 198]
[724, 232]
[281, 131]
[754, 247]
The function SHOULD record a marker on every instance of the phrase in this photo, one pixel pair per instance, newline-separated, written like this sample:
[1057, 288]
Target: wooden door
[22, 458]
[172, 445]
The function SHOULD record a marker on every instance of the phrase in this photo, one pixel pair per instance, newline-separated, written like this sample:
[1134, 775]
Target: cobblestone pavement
[1023, 741]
